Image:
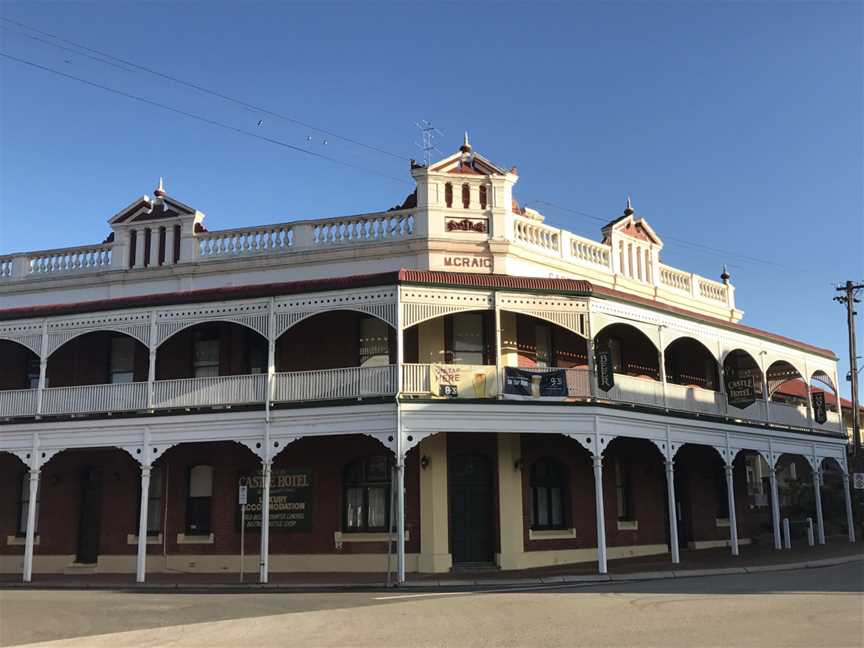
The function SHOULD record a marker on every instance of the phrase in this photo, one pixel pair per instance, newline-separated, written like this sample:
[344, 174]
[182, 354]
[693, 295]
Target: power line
[707, 248]
[194, 86]
[201, 118]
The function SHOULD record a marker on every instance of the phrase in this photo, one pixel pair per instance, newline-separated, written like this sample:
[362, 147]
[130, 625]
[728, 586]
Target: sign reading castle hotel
[421, 363]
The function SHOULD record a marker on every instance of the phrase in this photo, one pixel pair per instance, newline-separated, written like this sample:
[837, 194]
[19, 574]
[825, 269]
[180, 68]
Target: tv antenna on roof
[428, 133]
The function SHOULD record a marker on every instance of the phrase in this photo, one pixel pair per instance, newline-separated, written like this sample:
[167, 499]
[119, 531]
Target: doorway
[471, 509]
[90, 518]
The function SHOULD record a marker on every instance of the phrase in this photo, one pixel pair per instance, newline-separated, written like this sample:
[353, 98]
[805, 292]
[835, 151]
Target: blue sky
[737, 126]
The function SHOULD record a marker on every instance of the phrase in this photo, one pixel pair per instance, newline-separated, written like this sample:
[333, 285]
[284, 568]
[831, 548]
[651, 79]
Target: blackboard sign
[528, 384]
[740, 392]
[290, 500]
[603, 367]
[820, 412]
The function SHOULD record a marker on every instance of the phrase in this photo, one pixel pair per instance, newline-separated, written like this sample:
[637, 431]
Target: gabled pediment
[147, 209]
[631, 226]
[466, 162]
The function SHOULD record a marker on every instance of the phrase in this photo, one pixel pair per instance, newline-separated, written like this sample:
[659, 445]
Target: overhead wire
[195, 86]
[201, 118]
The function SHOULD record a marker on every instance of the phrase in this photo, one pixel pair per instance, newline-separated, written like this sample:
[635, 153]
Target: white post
[499, 379]
[592, 372]
[850, 521]
[139, 248]
[43, 367]
[662, 358]
[31, 525]
[810, 539]
[775, 506]
[733, 518]
[271, 357]
[154, 247]
[265, 521]
[169, 244]
[601, 515]
[142, 524]
[151, 367]
[817, 488]
[400, 515]
[673, 512]
[787, 534]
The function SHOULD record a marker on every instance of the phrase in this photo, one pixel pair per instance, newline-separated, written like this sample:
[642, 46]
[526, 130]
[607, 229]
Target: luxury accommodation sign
[290, 499]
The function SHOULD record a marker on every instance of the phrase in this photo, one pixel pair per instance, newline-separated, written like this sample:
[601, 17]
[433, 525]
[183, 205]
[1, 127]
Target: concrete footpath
[705, 562]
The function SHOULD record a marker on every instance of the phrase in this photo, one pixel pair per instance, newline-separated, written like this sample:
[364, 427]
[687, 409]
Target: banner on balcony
[603, 367]
[820, 411]
[290, 500]
[740, 392]
[532, 384]
[463, 381]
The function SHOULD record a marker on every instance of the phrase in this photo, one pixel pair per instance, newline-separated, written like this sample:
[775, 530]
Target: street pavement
[807, 607]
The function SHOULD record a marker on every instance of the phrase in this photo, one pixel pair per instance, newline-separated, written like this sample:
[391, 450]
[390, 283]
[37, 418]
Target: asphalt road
[811, 607]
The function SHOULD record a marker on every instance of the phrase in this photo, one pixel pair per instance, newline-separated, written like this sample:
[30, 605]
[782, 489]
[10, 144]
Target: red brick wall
[174, 357]
[85, 360]
[120, 478]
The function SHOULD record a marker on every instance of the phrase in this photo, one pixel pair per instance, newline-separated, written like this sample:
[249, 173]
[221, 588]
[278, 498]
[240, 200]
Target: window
[448, 194]
[721, 494]
[198, 500]
[483, 200]
[543, 341]
[24, 504]
[154, 502]
[547, 486]
[205, 354]
[374, 342]
[122, 361]
[32, 379]
[257, 353]
[367, 494]
[615, 347]
[466, 196]
[467, 339]
[622, 491]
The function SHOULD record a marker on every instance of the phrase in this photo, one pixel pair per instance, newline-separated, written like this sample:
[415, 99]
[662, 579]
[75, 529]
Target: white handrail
[335, 384]
[18, 402]
[212, 391]
[81, 399]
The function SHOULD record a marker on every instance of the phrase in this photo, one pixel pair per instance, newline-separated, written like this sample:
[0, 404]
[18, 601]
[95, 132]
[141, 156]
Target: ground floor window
[547, 487]
[154, 502]
[367, 494]
[198, 500]
[622, 491]
[24, 504]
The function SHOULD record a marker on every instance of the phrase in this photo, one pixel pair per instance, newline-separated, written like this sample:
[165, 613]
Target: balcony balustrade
[353, 383]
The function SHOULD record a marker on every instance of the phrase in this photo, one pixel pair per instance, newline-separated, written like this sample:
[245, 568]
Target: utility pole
[849, 298]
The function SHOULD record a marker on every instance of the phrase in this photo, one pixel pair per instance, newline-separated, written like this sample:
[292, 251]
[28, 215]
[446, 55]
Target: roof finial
[159, 192]
[628, 210]
[466, 145]
[724, 276]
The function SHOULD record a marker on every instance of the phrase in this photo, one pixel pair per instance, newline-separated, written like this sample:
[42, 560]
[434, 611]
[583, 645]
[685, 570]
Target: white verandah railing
[18, 402]
[209, 392]
[119, 397]
[335, 384]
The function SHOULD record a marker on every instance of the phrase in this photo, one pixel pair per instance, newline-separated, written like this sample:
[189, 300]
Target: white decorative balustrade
[121, 397]
[267, 239]
[18, 402]
[537, 235]
[788, 414]
[713, 290]
[639, 391]
[385, 226]
[7, 265]
[676, 279]
[416, 379]
[590, 252]
[67, 260]
[688, 398]
[210, 392]
[335, 384]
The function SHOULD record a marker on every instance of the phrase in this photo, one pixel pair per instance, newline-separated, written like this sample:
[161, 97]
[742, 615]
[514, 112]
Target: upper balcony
[461, 217]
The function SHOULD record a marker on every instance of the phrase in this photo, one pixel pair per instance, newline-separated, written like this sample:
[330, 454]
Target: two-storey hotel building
[452, 380]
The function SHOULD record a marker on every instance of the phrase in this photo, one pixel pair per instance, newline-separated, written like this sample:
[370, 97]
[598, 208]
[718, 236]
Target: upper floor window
[467, 340]
[483, 198]
[367, 494]
[448, 194]
[205, 354]
[122, 362]
[721, 493]
[32, 379]
[374, 342]
[543, 341]
[198, 497]
[547, 486]
[466, 196]
[24, 504]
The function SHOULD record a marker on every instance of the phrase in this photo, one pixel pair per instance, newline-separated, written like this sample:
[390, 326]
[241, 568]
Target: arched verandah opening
[797, 497]
[788, 392]
[635, 363]
[743, 376]
[19, 379]
[692, 377]
[833, 498]
[822, 388]
[336, 354]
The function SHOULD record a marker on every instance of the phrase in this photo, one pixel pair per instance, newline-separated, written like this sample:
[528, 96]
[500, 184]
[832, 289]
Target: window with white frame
[198, 500]
[205, 354]
[122, 360]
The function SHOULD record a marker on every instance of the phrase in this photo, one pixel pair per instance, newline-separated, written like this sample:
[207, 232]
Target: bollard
[787, 536]
[810, 538]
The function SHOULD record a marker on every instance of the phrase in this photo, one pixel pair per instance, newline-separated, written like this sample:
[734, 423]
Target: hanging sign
[290, 499]
[603, 367]
[463, 381]
[529, 384]
[740, 392]
[820, 412]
